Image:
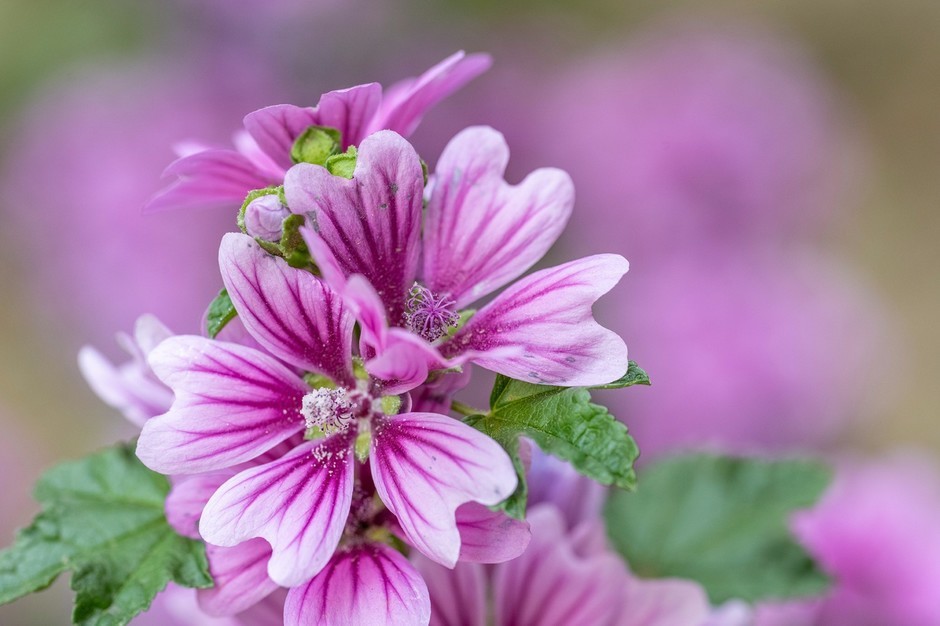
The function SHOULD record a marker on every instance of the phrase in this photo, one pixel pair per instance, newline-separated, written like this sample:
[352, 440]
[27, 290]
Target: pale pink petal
[209, 178]
[298, 503]
[662, 602]
[364, 585]
[240, 574]
[551, 585]
[458, 595]
[127, 388]
[480, 232]
[547, 315]
[291, 313]
[372, 222]
[425, 466]
[405, 103]
[488, 536]
[232, 404]
[436, 396]
[187, 499]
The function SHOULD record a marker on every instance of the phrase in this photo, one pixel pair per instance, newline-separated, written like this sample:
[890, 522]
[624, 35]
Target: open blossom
[207, 176]
[478, 234]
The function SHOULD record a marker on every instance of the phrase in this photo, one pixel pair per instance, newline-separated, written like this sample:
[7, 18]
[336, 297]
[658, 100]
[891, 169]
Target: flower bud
[263, 217]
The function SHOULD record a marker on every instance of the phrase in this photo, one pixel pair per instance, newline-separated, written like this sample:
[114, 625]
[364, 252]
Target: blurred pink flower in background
[710, 158]
[877, 533]
[90, 151]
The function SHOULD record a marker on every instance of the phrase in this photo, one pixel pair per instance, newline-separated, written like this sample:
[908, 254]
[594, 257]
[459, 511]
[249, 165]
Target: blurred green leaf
[723, 522]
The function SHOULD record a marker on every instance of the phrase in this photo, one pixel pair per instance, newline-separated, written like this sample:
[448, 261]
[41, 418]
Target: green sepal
[292, 244]
[563, 422]
[362, 446]
[723, 522]
[102, 519]
[316, 145]
[343, 164]
[319, 381]
[221, 312]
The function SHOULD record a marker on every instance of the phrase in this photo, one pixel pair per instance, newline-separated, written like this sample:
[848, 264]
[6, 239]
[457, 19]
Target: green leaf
[102, 518]
[721, 521]
[634, 376]
[563, 422]
[221, 312]
[315, 145]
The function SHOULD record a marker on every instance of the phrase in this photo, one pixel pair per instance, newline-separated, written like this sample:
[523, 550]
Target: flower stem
[465, 409]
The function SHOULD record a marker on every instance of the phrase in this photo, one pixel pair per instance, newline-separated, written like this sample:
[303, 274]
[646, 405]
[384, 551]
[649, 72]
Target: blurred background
[770, 171]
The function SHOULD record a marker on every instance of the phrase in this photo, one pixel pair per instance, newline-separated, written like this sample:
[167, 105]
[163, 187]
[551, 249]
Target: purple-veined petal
[275, 129]
[403, 362]
[292, 313]
[551, 585]
[425, 466]
[240, 574]
[372, 222]
[364, 585]
[298, 503]
[437, 396]
[350, 110]
[209, 178]
[547, 315]
[232, 404]
[187, 499]
[480, 232]
[458, 595]
[405, 103]
[488, 536]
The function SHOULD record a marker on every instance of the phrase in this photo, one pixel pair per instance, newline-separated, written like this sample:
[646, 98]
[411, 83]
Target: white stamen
[327, 410]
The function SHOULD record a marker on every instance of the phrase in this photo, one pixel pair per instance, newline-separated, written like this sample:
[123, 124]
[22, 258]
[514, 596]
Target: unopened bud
[263, 217]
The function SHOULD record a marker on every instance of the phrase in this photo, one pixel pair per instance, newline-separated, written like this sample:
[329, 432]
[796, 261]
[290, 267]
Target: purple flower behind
[876, 531]
[102, 139]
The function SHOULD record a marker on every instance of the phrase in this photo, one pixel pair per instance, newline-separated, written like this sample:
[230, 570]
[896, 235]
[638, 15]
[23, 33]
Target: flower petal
[370, 223]
[276, 128]
[488, 536]
[365, 585]
[240, 574]
[406, 102]
[187, 499]
[547, 315]
[425, 466]
[291, 313]
[458, 595]
[209, 178]
[232, 404]
[550, 585]
[662, 602]
[299, 503]
[480, 232]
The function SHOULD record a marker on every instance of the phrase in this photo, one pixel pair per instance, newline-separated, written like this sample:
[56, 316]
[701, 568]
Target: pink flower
[208, 176]
[566, 576]
[234, 403]
[876, 532]
[478, 235]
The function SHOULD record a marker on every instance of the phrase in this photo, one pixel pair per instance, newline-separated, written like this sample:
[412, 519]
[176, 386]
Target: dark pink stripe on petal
[480, 232]
[350, 110]
[541, 329]
[291, 313]
[459, 596]
[425, 466]
[232, 403]
[298, 503]
[488, 536]
[364, 585]
[372, 222]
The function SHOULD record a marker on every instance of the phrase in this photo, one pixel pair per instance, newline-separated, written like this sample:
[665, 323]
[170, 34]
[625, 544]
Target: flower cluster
[309, 440]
